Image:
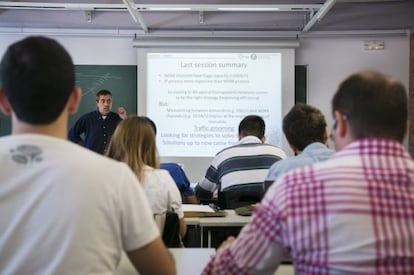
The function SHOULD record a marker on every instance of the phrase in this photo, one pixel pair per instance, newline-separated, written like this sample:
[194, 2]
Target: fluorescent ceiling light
[226, 7]
[248, 9]
[165, 9]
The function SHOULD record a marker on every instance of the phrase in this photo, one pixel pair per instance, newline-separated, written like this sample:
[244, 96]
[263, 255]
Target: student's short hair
[252, 125]
[37, 76]
[102, 92]
[374, 104]
[303, 125]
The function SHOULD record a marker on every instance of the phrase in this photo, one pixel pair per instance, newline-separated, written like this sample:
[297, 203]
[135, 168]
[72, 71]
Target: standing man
[306, 131]
[351, 214]
[98, 125]
[238, 172]
[64, 209]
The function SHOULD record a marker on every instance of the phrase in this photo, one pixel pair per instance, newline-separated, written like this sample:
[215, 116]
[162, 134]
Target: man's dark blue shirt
[96, 129]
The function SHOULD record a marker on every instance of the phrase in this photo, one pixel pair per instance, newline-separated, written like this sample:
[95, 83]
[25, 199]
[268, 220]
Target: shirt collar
[250, 139]
[100, 115]
[376, 146]
[314, 146]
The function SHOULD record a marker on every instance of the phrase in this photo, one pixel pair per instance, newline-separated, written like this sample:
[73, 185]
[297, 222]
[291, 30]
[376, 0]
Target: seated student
[181, 180]
[178, 175]
[133, 142]
[64, 209]
[350, 214]
[238, 172]
[306, 131]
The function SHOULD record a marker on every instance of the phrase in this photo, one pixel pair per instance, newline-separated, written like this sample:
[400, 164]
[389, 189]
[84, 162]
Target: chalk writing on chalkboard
[97, 82]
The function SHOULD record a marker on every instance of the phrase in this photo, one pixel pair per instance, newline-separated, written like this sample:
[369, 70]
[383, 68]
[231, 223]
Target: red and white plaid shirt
[351, 214]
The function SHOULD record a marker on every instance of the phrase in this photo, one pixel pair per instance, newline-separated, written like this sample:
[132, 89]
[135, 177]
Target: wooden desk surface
[192, 220]
[232, 219]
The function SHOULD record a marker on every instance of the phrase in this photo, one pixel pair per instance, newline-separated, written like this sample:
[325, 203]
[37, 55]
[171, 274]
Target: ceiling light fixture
[248, 9]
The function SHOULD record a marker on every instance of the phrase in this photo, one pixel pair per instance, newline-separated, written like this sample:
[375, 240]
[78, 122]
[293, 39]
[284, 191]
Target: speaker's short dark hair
[37, 76]
[102, 92]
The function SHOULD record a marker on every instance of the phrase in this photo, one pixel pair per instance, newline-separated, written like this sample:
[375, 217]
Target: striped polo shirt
[245, 163]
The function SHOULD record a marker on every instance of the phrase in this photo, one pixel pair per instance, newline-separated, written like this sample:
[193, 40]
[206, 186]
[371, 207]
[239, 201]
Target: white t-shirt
[67, 210]
[161, 191]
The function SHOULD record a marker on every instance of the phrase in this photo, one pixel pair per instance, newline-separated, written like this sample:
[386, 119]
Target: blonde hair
[133, 142]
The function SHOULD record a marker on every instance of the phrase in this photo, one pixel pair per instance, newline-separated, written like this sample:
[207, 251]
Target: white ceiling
[294, 17]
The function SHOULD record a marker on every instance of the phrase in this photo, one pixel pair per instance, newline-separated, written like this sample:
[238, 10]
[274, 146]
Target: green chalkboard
[301, 83]
[5, 124]
[121, 80]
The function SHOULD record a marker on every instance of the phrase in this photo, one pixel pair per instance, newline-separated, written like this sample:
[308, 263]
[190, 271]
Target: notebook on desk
[198, 210]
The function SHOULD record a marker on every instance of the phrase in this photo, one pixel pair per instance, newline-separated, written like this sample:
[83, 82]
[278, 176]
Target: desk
[230, 220]
[192, 220]
[190, 261]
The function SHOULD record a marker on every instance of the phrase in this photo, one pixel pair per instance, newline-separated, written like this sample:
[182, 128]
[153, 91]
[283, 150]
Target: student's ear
[342, 127]
[325, 136]
[4, 104]
[74, 100]
[407, 129]
[293, 147]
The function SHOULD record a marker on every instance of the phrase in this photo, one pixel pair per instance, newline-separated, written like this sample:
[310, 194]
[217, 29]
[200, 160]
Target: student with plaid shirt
[353, 213]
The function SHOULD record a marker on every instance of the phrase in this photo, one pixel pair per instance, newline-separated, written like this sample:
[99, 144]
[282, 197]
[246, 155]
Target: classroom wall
[411, 96]
[329, 61]
[89, 50]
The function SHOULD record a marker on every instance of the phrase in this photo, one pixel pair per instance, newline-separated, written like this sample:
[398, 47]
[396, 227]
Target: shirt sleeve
[259, 247]
[185, 184]
[206, 188]
[138, 227]
[76, 130]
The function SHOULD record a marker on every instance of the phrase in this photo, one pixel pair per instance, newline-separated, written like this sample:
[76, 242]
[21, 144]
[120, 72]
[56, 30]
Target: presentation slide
[197, 100]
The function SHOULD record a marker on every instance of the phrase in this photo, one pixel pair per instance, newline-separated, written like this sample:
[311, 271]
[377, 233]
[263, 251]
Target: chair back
[168, 224]
[171, 233]
[240, 195]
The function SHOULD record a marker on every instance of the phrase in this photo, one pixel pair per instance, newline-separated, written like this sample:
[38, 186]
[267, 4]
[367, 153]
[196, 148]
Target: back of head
[154, 127]
[252, 125]
[374, 104]
[303, 125]
[37, 76]
[133, 142]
